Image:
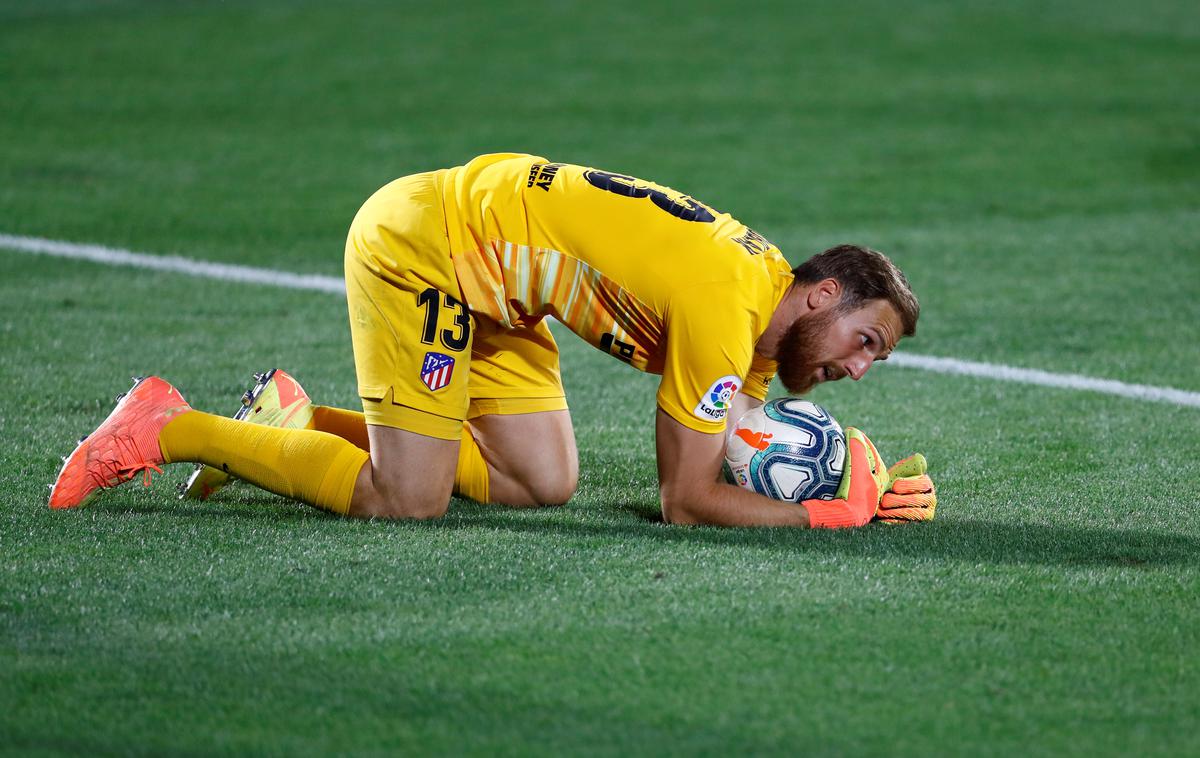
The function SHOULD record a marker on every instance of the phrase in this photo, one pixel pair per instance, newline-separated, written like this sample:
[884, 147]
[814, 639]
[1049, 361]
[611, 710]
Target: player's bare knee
[560, 487]
[414, 500]
[555, 490]
[422, 509]
[390, 499]
[405, 507]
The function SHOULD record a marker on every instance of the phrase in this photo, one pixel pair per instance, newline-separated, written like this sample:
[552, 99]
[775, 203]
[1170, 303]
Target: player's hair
[865, 275]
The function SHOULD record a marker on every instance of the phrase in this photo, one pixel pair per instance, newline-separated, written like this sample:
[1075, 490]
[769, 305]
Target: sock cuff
[337, 487]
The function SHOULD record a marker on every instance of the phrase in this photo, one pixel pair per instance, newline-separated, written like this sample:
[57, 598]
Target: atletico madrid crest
[437, 370]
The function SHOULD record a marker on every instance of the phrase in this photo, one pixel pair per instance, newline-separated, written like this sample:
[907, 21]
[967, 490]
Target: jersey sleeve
[709, 346]
[758, 380]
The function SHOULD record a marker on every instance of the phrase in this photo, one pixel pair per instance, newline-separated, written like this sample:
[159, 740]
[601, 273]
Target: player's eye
[866, 340]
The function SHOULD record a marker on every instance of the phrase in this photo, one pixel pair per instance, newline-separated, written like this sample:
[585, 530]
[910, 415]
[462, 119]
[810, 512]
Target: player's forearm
[722, 504]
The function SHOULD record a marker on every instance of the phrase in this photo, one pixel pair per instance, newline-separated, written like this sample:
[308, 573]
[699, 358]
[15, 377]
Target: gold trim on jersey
[531, 282]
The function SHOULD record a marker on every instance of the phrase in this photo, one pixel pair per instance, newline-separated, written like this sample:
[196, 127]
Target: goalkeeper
[450, 275]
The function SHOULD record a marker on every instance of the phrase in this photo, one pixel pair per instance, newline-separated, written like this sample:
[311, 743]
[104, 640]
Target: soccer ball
[787, 449]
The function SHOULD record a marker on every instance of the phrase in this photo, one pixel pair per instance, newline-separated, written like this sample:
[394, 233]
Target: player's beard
[800, 345]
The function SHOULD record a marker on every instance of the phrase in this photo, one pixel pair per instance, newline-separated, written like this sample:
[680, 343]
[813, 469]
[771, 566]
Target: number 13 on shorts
[437, 368]
[457, 338]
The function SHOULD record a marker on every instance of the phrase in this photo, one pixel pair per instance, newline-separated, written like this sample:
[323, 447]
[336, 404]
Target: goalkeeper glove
[864, 480]
[910, 494]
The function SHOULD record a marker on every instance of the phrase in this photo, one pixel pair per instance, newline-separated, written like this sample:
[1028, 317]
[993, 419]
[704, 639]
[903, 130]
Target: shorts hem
[514, 406]
[386, 412]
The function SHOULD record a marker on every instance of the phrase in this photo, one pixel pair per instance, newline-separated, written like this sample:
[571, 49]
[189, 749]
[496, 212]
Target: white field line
[1045, 378]
[335, 285]
[228, 272]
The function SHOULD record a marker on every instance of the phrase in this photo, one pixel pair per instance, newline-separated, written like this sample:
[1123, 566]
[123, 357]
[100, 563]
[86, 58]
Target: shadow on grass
[966, 540]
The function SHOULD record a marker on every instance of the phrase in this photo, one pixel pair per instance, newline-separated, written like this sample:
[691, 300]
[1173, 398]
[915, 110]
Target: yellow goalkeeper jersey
[647, 274]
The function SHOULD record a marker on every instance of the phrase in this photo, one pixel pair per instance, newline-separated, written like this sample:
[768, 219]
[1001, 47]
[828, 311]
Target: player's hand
[910, 494]
[864, 481]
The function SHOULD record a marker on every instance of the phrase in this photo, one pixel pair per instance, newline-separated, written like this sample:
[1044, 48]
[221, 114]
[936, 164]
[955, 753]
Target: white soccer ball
[787, 449]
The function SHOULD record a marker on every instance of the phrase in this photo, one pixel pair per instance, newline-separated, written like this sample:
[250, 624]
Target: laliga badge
[715, 403]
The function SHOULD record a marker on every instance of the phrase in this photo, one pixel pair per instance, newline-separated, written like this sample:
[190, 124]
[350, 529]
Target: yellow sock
[349, 425]
[317, 468]
[471, 476]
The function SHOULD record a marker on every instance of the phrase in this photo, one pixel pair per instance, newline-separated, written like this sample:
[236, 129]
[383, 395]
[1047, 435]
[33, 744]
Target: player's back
[604, 253]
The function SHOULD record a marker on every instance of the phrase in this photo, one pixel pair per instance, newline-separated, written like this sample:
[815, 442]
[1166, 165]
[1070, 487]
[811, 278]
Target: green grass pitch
[1034, 167]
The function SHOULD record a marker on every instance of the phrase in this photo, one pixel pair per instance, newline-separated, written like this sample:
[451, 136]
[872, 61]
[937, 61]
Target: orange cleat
[123, 446]
[276, 399]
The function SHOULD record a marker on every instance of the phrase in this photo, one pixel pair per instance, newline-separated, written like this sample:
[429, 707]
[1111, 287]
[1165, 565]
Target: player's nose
[856, 367]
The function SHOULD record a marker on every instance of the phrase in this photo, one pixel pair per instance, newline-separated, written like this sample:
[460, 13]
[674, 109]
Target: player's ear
[824, 294]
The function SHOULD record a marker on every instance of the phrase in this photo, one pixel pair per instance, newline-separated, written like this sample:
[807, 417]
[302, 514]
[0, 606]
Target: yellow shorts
[425, 363]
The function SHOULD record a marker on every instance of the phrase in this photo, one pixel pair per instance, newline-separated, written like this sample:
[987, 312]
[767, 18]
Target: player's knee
[421, 508]
[397, 501]
[410, 507]
[555, 489]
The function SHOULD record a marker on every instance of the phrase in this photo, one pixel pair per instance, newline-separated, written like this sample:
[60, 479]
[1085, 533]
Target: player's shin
[314, 467]
[349, 425]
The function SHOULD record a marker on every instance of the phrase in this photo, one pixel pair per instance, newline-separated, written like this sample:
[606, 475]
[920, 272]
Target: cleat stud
[260, 376]
[248, 397]
[81, 439]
